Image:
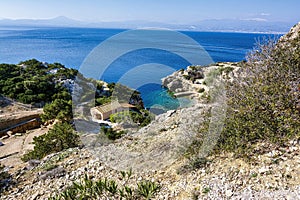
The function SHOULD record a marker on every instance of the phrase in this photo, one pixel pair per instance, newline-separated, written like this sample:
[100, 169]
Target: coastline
[177, 150]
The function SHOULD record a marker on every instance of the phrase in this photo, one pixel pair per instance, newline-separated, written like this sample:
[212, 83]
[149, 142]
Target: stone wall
[11, 122]
[31, 124]
[20, 125]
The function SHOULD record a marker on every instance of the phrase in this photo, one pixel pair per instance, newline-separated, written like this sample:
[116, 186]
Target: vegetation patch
[53, 162]
[34, 82]
[105, 188]
[201, 90]
[141, 117]
[5, 179]
[263, 104]
[59, 109]
[211, 77]
[61, 137]
[111, 133]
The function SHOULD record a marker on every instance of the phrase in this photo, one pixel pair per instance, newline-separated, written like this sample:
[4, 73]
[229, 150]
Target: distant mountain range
[228, 25]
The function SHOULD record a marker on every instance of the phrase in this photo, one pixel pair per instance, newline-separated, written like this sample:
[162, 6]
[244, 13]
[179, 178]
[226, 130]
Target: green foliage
[201, 90]
[41, 83]
[195, 161]
[193, 149]
[211, 77]
[126, 175]
[4, 178]
[31, 82]
[226, 70]
[187, 77]
[264, 100]
[52, 162]
[59, 109]
[62, 94]
[171, 93]
[111, 133]
[254, 175]
[206, 190]
[61, 137]
[126, 95]
[101, 96]
[88, 188]
[141, 118]
[147, 189]
[199, 163]
[102, 100]
[111, 86]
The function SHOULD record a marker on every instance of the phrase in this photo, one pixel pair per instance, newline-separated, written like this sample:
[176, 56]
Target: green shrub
[201, 90]
[187, 77]
[5, 178]
[141, 117]
[147, 189]
[206, 190]
[102, 100]
[30, 82]
[88, 188]
[263, 101]
[59, 109]
[199, 162]
[171, 93]
[112, 134]
[211, 77]
[125, 94]
[226, 70]
[61, 137]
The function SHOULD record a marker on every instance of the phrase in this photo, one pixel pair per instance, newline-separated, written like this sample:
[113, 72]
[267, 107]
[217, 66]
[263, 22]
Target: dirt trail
[15, 146]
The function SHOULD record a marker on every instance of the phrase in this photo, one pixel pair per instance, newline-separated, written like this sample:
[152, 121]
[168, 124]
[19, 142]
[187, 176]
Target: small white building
[104, 111]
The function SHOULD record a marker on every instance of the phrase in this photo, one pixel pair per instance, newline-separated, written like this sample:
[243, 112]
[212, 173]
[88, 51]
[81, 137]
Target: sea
[73, 46]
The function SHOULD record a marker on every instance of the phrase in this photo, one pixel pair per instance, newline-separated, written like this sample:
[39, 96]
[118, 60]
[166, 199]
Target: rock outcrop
[292, 34]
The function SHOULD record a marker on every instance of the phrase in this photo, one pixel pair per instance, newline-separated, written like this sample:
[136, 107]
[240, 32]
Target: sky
[168, 11]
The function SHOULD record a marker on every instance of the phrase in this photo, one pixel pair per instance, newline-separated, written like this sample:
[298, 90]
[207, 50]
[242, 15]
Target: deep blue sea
[70, 46]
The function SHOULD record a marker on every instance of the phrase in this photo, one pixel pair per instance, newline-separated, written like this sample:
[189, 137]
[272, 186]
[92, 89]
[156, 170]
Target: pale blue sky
[176, 11]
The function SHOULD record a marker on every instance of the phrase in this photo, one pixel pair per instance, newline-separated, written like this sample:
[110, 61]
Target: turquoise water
[70, 46]
[159, 99]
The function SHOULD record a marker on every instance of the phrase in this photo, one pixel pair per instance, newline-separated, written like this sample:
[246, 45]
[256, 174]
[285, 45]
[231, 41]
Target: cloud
[265, 14]
[256, 19]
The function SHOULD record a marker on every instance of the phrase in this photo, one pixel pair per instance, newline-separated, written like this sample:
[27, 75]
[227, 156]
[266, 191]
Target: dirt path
[14, 147]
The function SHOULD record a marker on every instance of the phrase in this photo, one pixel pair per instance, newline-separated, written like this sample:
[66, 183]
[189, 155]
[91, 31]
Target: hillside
[239, 140]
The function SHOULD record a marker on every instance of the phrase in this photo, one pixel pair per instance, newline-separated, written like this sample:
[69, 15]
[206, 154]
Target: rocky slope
[157, 152]
[276, 176]
[163, 152]
[293, 33]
